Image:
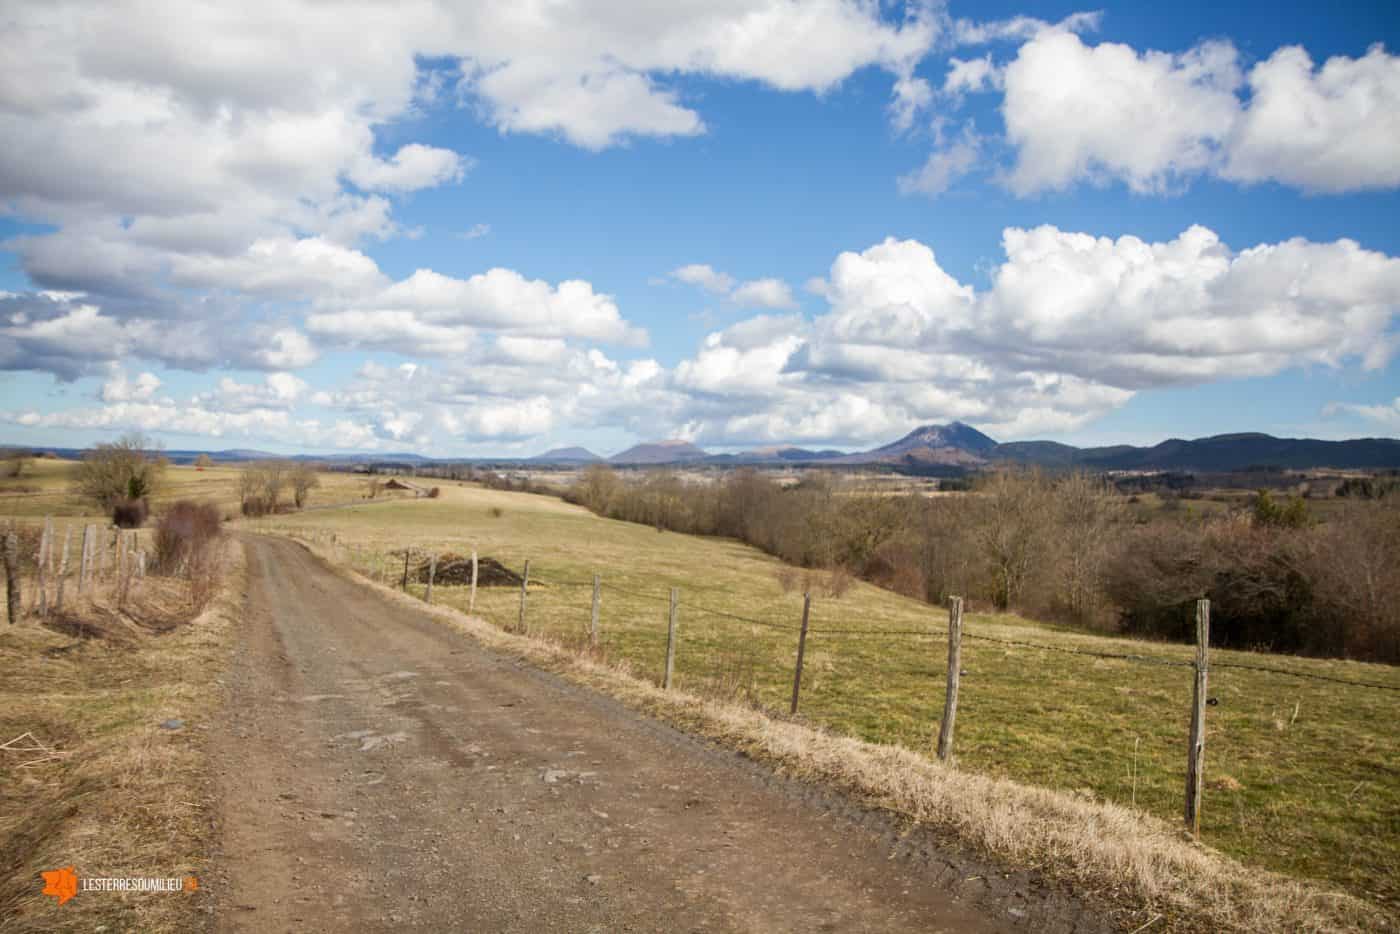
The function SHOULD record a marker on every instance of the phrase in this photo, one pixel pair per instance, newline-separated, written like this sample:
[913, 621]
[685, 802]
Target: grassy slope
[1316, 795]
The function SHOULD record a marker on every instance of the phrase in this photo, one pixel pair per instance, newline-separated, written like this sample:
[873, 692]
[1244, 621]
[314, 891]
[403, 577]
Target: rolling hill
[659, 452]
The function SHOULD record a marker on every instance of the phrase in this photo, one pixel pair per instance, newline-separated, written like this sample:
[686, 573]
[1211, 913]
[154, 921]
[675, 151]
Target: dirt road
[379, 771]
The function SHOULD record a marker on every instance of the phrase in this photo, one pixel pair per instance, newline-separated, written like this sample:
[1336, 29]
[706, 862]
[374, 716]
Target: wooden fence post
[671, 639]
[593, 620]
[405, 569]
[432, 575]
[950, 700]
[12, 573]
[63, 569]
[1196, 752]
[801, 651]
[524, 590]
[43, 559]
[85, 563]
[471, 601]
[124, 563]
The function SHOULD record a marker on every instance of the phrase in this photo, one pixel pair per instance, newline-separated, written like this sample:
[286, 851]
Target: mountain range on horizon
[958, 446]
[952, 448]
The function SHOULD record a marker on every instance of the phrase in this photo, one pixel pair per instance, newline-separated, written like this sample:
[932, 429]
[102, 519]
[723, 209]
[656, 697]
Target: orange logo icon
[191, 883]
[62, 884]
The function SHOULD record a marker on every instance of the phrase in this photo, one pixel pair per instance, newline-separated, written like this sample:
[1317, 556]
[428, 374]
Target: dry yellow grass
[117, 796]
[46, 489]
[1120, 854]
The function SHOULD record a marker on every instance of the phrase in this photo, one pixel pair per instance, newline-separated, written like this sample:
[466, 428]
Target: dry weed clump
[1132, 860]
[187, 544]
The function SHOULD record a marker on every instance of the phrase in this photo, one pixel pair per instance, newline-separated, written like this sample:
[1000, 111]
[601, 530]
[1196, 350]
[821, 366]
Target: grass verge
[114, 795]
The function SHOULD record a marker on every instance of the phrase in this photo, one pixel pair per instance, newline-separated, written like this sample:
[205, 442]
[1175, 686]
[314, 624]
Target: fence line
[954, 634]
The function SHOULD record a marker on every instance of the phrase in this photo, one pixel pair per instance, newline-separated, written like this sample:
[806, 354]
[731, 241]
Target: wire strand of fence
[877, 632]
[1312, 677]
[738, 618]
[1144, 659]
[926, 633]
[633, 593]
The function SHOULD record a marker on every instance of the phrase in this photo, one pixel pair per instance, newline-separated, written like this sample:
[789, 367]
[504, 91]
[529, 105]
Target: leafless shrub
[185, 529]
[254, 506]
[205, 572]
[130, 513]
[304, 478]
[126, 469]
[260, 486]
[187, 544]
[496, 512]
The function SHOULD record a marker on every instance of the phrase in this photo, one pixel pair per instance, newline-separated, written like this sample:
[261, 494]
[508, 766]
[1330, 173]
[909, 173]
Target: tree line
[1064, 547]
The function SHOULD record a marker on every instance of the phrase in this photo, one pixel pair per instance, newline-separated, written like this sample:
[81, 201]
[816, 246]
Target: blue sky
[608, 223]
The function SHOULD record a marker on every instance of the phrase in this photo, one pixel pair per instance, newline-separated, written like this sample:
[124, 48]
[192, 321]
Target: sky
[493, 229]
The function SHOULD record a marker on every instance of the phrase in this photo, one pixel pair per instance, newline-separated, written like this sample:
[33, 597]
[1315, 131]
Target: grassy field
[46, 488]
[1302, 776]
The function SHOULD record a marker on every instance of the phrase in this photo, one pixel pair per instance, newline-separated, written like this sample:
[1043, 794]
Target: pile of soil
[456, 569]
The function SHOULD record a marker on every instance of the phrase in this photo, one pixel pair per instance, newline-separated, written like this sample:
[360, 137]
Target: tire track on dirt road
[378, 771]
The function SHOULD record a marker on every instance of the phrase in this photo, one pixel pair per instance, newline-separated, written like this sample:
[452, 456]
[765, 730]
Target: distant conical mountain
[569, 455]
[955, 436]
[659, 452]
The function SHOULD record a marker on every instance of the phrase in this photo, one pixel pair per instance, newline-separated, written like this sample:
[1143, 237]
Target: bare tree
[203, 460]
[274, 475]
[1087, 514]
[249, 490]
[305, 477]
[1010, 528]
[126, 469]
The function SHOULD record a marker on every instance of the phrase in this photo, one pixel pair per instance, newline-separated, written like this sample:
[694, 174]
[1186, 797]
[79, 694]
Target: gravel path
[379, 771]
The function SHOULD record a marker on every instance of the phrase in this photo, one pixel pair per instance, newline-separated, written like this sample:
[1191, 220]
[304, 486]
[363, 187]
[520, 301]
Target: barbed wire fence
[383, 567]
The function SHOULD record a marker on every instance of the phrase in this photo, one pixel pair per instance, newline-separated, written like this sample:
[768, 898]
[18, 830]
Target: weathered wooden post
[85, 564]
[43, 559]
[671, 639]
[801, 650]
[63, 569]
[432, 575]
[124, 567]
[524, 590]
[405, 570]
[471, 601]
[593, 620]
[1196, 752]
[950, 699]
[12, 573]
